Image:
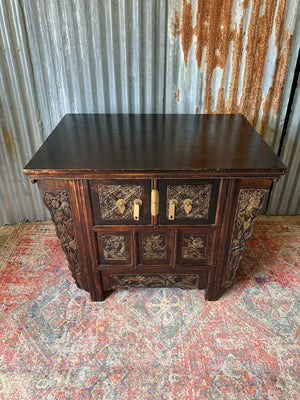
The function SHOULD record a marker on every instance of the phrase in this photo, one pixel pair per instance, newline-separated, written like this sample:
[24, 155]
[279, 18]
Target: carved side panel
[114, 247]
[110, 194]
[188, 281]
[194, 247]
[199, 194]
[155, 247]
[249, 204]
[58, 203]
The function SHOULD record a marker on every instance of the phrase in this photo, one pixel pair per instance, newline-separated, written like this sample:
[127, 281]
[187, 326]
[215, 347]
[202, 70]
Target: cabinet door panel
[114, 202]
[194, 201]
[194, 247]
[115, 247]
[155, 247]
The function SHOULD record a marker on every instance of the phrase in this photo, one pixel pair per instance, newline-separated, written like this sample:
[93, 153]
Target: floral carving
[110, 194]
[155, 247]
[199, 194]
[164, 280]
[58, 203]
[114, 247]
[249, 204]
[193, 247]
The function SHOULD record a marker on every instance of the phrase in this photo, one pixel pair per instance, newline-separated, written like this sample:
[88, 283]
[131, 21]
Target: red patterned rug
[157, 344]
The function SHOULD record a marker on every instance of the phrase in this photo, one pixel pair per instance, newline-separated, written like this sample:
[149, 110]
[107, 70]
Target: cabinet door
[115, 247]
[194, 246]
[154, 247]
[188, 202]
[121, 202]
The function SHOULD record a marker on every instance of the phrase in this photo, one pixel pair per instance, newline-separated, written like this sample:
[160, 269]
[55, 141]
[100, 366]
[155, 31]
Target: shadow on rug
[156, 344]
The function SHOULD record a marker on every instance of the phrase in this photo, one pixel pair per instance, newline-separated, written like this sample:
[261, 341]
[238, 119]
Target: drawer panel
[194, 201]
[194, 246]
[197, 280]
[115, 248]
[114, 201]
[154, 247]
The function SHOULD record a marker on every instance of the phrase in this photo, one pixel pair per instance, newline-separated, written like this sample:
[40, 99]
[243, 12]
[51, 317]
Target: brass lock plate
[154, 202]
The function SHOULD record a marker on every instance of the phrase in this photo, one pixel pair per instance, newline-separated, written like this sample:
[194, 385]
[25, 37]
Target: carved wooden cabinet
[154, 200]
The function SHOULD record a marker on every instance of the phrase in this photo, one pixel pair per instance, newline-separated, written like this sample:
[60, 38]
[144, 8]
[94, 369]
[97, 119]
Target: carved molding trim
[193, 247]
[199, 194]
[187, 281]
[58, 203]
[155, 247]
[114, 247]
[249, 204]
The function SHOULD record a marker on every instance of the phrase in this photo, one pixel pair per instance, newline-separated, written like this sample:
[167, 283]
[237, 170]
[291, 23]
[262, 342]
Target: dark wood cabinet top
[91, 144]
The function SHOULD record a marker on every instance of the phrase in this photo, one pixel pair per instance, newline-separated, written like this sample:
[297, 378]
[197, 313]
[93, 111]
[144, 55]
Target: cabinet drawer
[154, 247]
[113, 280]
[115, 247]
[194, 247]
[114, 202]
[194, 201]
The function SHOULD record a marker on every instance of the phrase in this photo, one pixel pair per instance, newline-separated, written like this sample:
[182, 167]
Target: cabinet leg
[97, 297]
[215, 296]
[95, 287]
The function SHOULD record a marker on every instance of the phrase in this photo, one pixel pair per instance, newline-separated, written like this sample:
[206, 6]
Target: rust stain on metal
[214, 36]
[9, 142]
[175, 24]
[177, 95]
[259, 32]
[187, 30]
[232, 101]
[197, 110]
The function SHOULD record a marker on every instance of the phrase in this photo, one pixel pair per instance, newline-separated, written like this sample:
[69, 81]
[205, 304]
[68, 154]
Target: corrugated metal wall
[285, 198]
[153, 56]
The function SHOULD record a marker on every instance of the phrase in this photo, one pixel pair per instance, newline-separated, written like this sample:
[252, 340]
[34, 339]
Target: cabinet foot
[214, 296]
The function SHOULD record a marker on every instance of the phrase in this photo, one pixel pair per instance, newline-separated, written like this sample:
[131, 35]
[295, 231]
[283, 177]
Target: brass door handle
[136, 209]
[172, 204]
[187, 205]
[121, 205]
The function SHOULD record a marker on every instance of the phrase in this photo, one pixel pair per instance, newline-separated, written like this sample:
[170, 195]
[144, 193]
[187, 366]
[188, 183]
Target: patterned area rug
[157, 344]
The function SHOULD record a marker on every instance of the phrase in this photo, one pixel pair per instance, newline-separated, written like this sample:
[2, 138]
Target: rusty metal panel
[229, 56]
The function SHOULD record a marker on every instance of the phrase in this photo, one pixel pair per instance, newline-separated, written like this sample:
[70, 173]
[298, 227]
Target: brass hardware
[121, 205]
[187, 205]
[172, 204]
[154, 202]
[136, 209]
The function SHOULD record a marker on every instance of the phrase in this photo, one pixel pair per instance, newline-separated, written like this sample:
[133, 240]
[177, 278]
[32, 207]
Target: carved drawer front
[154, 247]
[188, 202]
[115, 248]
[119, 202]
[194, 247]
[113, 280]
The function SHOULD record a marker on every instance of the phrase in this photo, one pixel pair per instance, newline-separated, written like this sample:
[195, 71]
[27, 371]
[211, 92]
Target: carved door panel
[121, 202]
[188, 202]
[194, 247]
[154, 247]
[115, 247]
